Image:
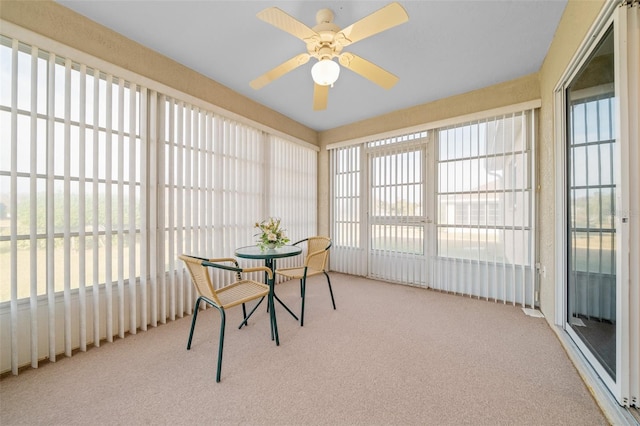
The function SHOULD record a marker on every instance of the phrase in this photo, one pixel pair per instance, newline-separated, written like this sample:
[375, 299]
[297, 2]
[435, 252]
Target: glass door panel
[397, 215]
[591, 191]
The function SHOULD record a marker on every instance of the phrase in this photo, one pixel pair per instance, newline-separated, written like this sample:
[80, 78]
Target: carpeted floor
[389, 354]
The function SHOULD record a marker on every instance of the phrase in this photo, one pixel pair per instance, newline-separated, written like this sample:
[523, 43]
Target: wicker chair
[239, 292]
[314, 264]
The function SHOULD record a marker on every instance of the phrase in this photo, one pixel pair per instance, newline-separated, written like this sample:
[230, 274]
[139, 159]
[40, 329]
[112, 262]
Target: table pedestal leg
[251, 313]
[271, 264]
[272, 315]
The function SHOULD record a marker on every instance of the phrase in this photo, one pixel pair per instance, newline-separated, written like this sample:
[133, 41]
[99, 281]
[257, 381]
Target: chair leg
[303, 286]
[221, 342]
[330, 289]
[193, 321]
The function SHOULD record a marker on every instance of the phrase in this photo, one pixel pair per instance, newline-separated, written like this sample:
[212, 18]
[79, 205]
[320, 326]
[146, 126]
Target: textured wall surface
[511, 92]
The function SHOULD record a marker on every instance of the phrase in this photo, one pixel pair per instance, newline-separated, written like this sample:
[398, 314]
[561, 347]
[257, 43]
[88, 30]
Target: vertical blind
[295, 204]
[347, 221]
[73, 183]
[397, 209]
[104, 183]
[484, 205]
[460, 220]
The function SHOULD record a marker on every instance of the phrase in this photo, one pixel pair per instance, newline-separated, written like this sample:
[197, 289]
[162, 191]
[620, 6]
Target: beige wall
[508, 93]
[56, 22]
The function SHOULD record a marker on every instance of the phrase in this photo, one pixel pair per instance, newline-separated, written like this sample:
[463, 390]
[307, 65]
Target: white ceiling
[447, 48]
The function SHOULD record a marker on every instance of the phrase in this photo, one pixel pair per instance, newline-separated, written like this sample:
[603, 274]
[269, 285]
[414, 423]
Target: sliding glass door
[591, 195]
[598, 187]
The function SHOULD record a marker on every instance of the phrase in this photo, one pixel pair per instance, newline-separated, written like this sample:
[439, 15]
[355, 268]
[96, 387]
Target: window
[484, 191]
[73, 133]
[484, 209]
[396, 199]
[298, 167]
[346, 193]
[449, 208]
[103, 183]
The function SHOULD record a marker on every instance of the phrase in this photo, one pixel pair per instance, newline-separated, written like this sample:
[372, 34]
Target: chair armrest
[258, 269]
[224, 259]
[217, 260]
[214, 263]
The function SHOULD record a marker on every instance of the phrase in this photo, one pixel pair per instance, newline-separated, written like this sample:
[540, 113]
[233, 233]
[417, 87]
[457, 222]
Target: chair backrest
[317, 252]
[200, 277]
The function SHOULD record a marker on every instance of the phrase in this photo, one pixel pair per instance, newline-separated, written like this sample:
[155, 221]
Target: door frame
[619, 387]
[425, 220]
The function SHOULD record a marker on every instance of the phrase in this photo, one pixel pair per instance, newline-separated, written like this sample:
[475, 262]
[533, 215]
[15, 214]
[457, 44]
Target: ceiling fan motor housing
[324, 46]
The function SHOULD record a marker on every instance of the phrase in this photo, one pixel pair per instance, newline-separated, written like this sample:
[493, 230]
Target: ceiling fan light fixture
[325, 72]
[325, 41]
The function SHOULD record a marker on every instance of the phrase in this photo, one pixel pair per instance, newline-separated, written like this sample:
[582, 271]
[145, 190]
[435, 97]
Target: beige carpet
[389, 354]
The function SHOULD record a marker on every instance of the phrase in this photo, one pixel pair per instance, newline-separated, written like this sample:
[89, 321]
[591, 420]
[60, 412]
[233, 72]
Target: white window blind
[349, 254]
[451, 208]
[104, 183]
[73, 189]
[397, 183]
[292, 197]
[484, 208]
[214, 190]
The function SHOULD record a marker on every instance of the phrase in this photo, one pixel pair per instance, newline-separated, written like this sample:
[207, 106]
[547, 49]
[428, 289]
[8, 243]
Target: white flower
[270, 233]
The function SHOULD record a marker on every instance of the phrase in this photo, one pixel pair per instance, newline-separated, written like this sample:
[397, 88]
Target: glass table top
[255, 252]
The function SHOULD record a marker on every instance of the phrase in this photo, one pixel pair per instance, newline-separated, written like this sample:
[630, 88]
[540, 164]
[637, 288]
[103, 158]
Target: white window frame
[620, 387]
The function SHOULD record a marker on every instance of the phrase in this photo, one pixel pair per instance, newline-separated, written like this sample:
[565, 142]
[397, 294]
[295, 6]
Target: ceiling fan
[325, 41]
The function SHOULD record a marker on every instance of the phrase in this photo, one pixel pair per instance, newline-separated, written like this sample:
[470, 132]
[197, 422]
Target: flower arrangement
[271, 235]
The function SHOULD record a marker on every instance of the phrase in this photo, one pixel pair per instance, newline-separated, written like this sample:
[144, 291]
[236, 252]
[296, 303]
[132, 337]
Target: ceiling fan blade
[368, 70]
[280, 70]
[388, 17]
[288, 23]
[320, 95]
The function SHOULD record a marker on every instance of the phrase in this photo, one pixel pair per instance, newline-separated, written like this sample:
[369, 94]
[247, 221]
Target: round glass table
[269, 256]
